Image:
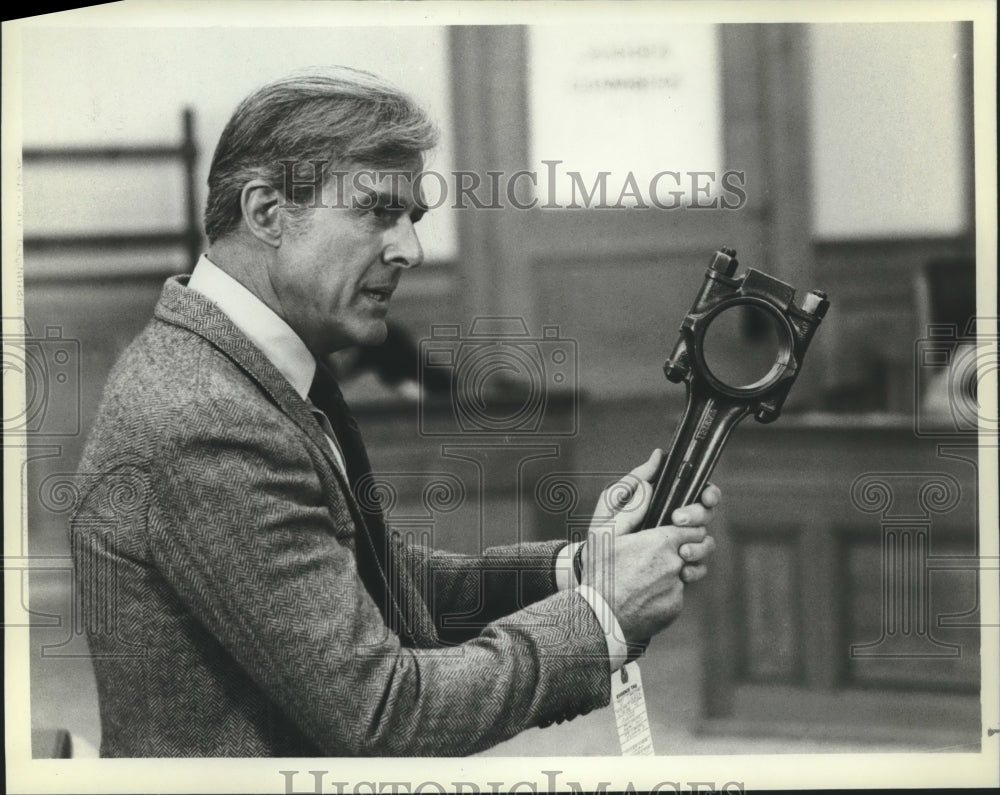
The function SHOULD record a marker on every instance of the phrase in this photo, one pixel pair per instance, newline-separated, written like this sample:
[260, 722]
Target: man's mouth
[380, 295]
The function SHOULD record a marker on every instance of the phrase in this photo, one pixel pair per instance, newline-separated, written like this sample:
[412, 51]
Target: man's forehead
[389, 180]
[393, 178]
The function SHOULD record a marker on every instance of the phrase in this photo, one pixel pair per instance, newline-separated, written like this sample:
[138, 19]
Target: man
[240, 600]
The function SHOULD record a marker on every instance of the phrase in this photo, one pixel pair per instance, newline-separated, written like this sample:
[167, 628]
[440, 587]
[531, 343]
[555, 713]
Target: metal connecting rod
[715, 407]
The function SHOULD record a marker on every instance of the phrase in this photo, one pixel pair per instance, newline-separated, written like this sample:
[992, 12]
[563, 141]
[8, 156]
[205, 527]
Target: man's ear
[261, 206]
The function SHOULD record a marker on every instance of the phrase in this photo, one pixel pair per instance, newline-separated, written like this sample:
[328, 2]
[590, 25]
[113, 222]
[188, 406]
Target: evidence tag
[630, 711]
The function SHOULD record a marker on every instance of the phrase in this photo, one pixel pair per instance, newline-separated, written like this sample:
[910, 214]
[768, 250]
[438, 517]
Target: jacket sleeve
[469, 591]
[239, 527]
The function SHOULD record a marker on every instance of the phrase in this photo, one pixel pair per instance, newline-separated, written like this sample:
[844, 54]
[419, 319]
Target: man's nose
[403, 247]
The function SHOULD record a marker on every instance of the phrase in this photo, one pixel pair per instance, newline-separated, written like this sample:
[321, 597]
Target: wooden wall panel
[866, 345]
[768, 588]
[809, 603]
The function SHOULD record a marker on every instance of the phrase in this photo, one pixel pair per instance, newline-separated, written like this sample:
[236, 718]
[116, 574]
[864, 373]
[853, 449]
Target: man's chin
[373, 334]
[370, 333]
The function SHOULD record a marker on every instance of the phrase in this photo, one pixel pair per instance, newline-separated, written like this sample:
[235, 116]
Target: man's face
[337, 267]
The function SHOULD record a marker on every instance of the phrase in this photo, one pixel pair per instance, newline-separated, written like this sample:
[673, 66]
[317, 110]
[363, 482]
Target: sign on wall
[625, 115]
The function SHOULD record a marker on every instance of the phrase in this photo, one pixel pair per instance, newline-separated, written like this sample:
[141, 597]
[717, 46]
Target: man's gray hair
[334, 116]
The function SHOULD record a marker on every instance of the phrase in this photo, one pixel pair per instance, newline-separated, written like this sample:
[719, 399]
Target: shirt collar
[275, 338]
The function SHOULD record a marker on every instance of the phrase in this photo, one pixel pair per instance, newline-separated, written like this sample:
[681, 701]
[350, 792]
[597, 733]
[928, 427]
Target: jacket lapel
[401, 602]
[190, 310]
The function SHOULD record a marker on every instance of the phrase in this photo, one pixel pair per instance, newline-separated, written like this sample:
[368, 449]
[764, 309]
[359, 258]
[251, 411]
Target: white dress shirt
[290, 356]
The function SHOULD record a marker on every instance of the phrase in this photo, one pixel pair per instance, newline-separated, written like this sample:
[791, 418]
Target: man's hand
[615, 508]
[642, 575]
[623, 505]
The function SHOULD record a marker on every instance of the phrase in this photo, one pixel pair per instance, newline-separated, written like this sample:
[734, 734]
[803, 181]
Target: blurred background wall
[843, 604]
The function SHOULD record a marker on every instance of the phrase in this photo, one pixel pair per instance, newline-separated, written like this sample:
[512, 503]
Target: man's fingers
[693, 572]
[623, 492]
[711, 496]
[629, 518]
[696, 552]
[647, 469]
[679, 536]
[696, 514]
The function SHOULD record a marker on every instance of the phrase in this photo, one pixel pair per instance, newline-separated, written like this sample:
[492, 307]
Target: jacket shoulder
[162, 383]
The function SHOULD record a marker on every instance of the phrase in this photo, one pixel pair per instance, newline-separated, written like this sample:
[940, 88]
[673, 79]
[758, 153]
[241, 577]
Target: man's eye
[386, 213]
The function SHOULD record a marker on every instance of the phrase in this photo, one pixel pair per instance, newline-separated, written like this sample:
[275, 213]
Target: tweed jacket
[214, 542]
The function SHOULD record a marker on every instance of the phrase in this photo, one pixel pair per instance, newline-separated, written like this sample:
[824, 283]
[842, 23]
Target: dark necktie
[375, 563]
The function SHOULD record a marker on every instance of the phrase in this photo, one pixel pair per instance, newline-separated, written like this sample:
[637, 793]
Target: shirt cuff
[565, 579]
[613, 635]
